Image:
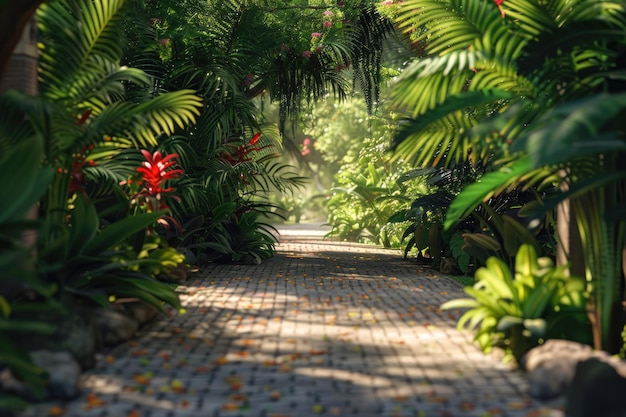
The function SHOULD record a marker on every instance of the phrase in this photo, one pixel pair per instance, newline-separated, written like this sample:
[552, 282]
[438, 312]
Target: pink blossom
[306, 141]
[316, 35]
[327, 24]
[387, 3]
[306, 54]
[328, 13]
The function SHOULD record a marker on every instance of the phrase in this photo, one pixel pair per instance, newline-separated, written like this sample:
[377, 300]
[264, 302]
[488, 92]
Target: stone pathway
[323, 328]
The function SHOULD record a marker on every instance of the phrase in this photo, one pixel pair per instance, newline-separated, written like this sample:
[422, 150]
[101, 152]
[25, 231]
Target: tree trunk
[18, 65]
[15, 15]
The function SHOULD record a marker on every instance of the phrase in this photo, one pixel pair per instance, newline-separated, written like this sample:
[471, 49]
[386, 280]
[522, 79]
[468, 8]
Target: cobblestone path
[324, 328]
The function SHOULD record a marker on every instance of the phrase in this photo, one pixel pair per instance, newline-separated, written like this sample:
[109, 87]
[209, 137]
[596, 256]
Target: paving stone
[323, 328]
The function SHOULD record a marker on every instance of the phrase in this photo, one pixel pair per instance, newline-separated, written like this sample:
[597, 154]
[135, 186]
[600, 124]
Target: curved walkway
[323, 328]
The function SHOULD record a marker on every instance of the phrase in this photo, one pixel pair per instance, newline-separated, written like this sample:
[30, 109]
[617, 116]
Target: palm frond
[74, 33]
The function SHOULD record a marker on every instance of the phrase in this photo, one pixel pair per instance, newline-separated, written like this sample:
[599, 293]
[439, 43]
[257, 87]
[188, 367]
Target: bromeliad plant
[149, 189]
[517, 310]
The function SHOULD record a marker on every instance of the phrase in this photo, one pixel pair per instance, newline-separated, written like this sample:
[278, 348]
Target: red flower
[499, 4]
[155, 171]
[240, 154]
[255, 138]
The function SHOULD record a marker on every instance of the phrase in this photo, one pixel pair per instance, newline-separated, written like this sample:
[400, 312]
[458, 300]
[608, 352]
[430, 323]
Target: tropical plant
[101, 264]
[517, 311]
[586, 140]
[523, 62]
[20, 288]
[365, 196]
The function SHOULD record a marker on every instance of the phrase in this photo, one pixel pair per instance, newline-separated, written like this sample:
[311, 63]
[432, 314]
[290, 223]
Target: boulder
[63, 372]
[551, 367]
[138, 310]
[115, 326]
[76, 333]
[597, 389]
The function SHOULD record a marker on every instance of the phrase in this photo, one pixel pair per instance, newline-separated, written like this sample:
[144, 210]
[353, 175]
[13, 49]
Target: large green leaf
[573, 130]
[120, 230]
[28, 180]
[488, 185]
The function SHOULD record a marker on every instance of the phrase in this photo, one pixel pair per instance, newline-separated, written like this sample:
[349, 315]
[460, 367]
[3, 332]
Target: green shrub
[519, 312]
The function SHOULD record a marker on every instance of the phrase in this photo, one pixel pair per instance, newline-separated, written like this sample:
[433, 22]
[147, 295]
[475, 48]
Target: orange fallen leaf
[109, 359]
[243, 354]
[230, 407]
[517, 405]
[437, 400]
[221, 361]
[285, 368]
[275, 395]
[201, 369]
[141, 379]
[466, 406]
[133, 413]
[140, 352]
[239, 397]
[184, 403]
[56, 411]
[316, 352]
[93, 401]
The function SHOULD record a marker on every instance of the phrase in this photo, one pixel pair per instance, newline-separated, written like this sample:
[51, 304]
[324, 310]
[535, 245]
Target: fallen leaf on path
[94, 401]
[221, 361]
[141, 379]
[56, 411]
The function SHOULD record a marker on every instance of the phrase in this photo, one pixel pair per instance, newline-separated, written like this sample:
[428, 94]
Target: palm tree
[495, 86]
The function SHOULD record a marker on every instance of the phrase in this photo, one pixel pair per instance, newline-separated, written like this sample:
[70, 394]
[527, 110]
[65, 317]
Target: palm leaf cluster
[478, 63]
[537, 89]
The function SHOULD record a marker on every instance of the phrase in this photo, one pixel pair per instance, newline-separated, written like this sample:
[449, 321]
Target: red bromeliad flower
[155, 172]
[240, 153]
[77, 175]
[499, 4]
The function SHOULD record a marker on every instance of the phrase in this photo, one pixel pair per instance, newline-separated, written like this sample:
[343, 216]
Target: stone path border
[322, 329]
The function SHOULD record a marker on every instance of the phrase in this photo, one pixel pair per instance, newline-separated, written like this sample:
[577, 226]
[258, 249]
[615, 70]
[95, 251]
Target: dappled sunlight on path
[323, 328]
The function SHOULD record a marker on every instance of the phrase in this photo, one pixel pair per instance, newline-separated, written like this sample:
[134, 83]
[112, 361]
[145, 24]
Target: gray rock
[138, 310]
[597, 389]
[551, 367]
[63, 372]
[115, 327]
[76, 333]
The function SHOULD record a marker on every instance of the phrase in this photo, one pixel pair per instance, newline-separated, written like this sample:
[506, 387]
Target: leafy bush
[519, 312]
